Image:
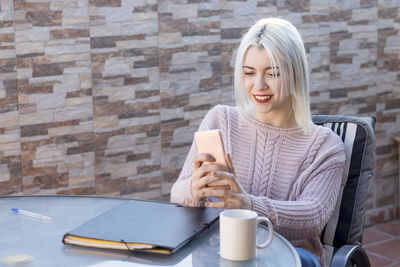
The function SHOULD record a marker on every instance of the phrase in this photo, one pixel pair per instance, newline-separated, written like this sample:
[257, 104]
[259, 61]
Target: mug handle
[270, 230]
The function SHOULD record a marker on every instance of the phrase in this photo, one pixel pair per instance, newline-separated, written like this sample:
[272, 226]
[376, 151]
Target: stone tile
[54, 76]
[371, 236]
[125, 86]
[392, 228]
[10, 149]
[190, 53]
[379, 261]
[389, 249]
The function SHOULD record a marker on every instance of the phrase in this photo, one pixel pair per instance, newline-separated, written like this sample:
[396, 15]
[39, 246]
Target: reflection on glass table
[42, 239]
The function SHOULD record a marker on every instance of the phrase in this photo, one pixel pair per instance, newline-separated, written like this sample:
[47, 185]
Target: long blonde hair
[284, 46]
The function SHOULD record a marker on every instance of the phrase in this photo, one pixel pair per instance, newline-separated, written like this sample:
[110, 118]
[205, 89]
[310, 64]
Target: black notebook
[144, 226]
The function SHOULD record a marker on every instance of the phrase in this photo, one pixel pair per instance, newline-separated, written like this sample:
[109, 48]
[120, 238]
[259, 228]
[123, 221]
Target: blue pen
[31, 214]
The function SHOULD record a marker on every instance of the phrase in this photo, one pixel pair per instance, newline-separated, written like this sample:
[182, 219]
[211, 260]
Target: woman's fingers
[212, 179]
[223, 205]
[206, 169]
[201, 177]
[215, 192]
[228, 199]
[221, 193]
[230, 179]
[229, 162]
[208, 179]
[200, 158]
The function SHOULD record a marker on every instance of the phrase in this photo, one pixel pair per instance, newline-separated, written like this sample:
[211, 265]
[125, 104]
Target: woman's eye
[248, 73]
[273, 74]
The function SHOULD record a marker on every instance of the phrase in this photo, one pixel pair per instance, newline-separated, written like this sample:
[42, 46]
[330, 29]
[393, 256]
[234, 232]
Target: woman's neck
[277, 120]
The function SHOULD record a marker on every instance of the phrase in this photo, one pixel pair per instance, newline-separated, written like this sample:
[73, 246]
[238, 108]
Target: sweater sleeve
[181, 190]
[314, 194]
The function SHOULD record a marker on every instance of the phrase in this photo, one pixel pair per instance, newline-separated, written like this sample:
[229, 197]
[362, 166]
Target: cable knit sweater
[292, 178]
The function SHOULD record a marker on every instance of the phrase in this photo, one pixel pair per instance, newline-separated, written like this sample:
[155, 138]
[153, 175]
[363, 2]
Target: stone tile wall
[103, 97]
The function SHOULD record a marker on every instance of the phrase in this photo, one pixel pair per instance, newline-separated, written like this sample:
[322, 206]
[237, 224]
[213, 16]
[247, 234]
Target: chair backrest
[345, 226]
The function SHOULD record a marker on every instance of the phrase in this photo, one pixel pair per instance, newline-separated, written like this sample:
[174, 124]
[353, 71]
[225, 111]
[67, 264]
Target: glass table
[42, 239]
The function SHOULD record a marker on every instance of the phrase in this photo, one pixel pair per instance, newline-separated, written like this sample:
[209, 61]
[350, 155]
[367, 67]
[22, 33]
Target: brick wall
[103, 97]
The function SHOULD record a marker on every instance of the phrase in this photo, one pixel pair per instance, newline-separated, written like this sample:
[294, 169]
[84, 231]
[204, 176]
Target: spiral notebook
[144, 226]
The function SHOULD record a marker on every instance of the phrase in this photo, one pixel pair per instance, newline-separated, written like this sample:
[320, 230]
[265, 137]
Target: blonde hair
[284, 46]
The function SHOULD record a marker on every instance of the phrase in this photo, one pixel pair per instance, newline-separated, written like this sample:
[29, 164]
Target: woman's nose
[260, 83]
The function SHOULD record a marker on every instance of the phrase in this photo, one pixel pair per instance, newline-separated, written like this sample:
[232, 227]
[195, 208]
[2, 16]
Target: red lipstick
[262, 98]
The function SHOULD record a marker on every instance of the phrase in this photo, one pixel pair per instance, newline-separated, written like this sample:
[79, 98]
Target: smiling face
[262, 83]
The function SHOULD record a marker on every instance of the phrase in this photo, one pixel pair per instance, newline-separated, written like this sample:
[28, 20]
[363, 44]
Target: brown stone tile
[147, 8]
[6, 37]
[102, 42]
[174, 102]
[371, 236]
[30, 171]
[107, 109]
[387, 13]
[314, 18]
[63, 123]
[84, 148]
[105, 3]
[135, 80]
[12, 186]
[7, 65]
[367, 3]
[296, 5]
[169, 25]
[200, 107]
[8, 104]
[101, 57]
[6, 23]
[340, 15]
[146, 93]
[26, 108]
[49, 69]
[392, 228]
[136, 157]
[148, 169]
[140, 110]
[44, 17]
[32, 130]
[51, 181]
[66, 139]
[78, 93]
[393, 104]
[378, 261]
[104, 185]
[78, 191]
[68, 33]
[389, 249]
[23, 5]
[29, 89]
[208, 13]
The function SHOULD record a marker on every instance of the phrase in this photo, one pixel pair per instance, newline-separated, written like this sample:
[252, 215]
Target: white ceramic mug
[238, 231]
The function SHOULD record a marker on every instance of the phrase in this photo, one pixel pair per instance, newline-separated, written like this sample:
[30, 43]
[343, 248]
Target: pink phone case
[210, 142]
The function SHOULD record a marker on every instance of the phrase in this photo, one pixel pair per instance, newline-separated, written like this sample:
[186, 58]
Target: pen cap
[15, 209]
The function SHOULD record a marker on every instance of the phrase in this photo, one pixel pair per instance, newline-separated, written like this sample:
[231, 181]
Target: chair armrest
[349, 256]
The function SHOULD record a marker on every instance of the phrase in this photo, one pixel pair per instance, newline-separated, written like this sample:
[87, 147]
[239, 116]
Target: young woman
[280, 164]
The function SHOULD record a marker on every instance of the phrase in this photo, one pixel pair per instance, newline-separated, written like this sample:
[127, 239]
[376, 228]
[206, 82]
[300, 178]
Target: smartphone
[210, 142]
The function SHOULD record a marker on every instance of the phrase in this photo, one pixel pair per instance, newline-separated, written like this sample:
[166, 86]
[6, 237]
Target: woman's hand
[231, 198]
[202, 174]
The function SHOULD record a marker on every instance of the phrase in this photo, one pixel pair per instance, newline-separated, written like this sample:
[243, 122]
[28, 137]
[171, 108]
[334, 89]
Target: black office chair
[342, 236]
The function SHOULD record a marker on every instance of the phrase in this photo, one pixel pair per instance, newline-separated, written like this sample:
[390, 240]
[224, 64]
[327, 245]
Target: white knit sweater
[292, 178]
